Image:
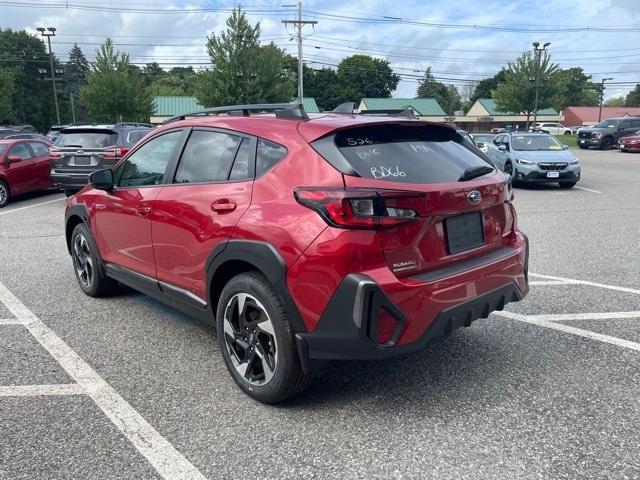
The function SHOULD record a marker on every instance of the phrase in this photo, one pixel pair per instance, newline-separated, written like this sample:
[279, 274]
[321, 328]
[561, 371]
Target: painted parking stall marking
[168, 462]
[551, 321]
[5, 212]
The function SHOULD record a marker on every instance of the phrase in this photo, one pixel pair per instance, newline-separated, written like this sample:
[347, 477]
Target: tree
[325, 86]
[575, 88]
[615, 102]
[152, 72]
[447, 96]
[633, 97]
[114, 90]
[363, 76]
[23, 55]
[75, 76]
[242, 70]
[518, 92]
[7, 90]
[485, 86]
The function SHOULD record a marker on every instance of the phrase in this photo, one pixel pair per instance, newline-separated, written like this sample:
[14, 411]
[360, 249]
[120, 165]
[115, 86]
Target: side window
[21, 150]
[268, 155]
[134, 136]
[207, 157]
[624, 125]
[146, 166]
[39, 149]
[635, 124]
[240, 170]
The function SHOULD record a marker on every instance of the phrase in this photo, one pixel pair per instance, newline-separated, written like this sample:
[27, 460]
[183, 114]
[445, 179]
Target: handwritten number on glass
[384, 172]
[353, 142]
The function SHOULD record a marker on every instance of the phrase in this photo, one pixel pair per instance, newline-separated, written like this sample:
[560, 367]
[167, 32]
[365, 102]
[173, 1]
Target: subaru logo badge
[79, 152]
[474, 197]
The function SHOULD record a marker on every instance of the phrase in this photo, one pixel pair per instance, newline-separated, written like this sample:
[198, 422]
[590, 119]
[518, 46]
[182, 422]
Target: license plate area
[553, 174]
[84, 161]
[464, 232]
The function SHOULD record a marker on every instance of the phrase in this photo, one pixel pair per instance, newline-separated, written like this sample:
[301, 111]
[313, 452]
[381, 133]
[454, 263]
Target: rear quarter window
[408, 154]
[268, 155]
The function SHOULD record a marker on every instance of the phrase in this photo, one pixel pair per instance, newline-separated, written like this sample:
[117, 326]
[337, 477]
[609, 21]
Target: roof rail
[290, 111]
[133, 124]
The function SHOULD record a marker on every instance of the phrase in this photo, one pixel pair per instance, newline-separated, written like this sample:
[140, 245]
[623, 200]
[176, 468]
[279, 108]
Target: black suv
[82, 149]
[607, 133]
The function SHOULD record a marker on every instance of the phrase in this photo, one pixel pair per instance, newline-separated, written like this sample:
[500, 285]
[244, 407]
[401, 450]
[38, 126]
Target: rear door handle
[144, 210]
[223, 206]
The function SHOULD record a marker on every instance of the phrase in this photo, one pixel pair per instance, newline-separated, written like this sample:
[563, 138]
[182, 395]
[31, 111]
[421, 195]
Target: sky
[462, 41]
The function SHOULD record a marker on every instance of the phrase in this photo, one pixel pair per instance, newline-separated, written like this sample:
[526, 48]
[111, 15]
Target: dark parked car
[26, 136]
[7, 130]
[83, 149]
[54, 132]
[608, 132]
[304, 239]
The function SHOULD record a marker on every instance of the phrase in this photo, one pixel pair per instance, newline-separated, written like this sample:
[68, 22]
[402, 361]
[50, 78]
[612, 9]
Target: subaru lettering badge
[474, 197]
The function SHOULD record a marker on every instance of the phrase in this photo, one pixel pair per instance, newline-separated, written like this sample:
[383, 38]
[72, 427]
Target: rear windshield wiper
[473, 172]
[72, 146]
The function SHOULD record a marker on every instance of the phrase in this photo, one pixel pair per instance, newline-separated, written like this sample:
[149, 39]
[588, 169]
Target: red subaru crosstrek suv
[303, 239]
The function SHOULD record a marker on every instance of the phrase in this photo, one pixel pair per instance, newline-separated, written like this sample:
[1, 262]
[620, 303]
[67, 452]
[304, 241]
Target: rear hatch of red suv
[435, 200]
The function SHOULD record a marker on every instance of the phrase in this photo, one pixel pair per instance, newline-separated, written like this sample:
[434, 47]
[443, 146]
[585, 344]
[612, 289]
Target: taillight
[116, 152]
[361, 207]
[54, 154]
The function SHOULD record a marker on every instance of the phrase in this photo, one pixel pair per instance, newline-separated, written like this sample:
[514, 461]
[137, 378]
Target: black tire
[68, 193]
[583, 147]
[567, 184]
[508, 169]
[86, 264]
[286, 378]
[606, 143]
[5, 194]
[567, 132]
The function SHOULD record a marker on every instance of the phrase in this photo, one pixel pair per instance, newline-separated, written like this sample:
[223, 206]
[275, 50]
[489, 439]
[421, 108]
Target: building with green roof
[428, 108]
[484, 115]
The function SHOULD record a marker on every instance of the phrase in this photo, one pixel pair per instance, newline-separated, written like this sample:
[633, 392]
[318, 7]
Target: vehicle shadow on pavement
[18, 199]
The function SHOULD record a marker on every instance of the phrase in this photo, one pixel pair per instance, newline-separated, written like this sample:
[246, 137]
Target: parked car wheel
[257, 340]
[567, 132]
[606, 143]
[583, 147]
[508, 168]
[5, 194]
[568, 184]
[86, 264]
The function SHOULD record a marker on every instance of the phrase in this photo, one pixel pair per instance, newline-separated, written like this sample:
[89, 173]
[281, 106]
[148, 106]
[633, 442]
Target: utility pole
[73, 107]
[298, 25]
[602, 96]
[51, 32]
[537, 52]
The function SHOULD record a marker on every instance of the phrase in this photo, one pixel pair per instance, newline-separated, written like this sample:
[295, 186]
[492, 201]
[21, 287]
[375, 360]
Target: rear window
[87, 139]
[407, 154]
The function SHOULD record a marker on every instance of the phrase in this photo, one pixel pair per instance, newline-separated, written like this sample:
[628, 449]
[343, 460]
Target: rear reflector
[361, 207]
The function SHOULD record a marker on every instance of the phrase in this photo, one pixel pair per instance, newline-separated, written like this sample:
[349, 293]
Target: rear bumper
[348, 325]
[69, 180]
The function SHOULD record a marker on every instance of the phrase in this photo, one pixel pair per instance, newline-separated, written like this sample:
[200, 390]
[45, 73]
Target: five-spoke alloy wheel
[86, 264]
[82, 261]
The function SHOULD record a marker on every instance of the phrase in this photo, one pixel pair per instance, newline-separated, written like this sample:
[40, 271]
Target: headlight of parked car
[522, 161]
[597, 134]
[574, 162]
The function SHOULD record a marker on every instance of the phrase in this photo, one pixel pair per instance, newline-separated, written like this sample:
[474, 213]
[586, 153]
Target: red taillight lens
[117, 152]
[54, 154]
[361, 208]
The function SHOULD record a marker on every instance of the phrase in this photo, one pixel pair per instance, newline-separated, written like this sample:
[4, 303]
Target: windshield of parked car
[482, 138]
[87, 139]
[534, 142]
[409, 154]
[606, 124]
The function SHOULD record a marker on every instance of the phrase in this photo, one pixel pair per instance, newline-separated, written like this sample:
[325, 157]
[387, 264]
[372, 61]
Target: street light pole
[299, 24]
[602, 97]
[48, 33]
[537, 52]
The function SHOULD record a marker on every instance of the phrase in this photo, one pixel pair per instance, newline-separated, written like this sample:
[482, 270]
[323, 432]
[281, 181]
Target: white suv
[551, 128]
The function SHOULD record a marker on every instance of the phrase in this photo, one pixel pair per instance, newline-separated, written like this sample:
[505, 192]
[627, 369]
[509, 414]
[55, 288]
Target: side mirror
[480, 144]
[502, 147]
[102, 180]
[565, 147]
[13, 159]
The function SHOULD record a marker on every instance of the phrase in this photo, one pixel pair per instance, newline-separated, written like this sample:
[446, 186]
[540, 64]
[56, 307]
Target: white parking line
[549, 282]
[4, 212]
[573, 330]
[592, 284]
[10, 321]
[562, 317]
[587, 189]
[39, 390]
[167, 461]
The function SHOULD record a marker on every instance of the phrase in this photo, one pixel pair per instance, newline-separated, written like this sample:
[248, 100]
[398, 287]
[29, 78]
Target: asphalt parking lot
[125, 387]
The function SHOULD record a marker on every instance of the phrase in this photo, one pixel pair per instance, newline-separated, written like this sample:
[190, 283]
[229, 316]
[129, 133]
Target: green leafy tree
[114, 90]
[447, 96]
[23, 55]
[485, 86]
[575, 88]
[242, 70]
[152, 72]
[363, 76]
[518, 92]
[7, 90]
[325, 86]
[633, 97]
[615, 102]
[75, 76]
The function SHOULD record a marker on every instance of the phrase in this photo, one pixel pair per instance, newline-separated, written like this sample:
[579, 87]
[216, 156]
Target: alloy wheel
[250, 339]
[83, 261]
[4, 194]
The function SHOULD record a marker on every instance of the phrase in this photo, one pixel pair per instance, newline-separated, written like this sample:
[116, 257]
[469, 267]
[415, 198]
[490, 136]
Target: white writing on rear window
[384, 172]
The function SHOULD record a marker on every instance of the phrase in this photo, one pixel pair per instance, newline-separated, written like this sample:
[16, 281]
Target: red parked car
[304, 239]
[630, 143]
[24, 167]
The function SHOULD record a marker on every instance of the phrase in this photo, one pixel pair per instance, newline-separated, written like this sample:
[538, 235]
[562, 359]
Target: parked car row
[29, 161]
[608, 133]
